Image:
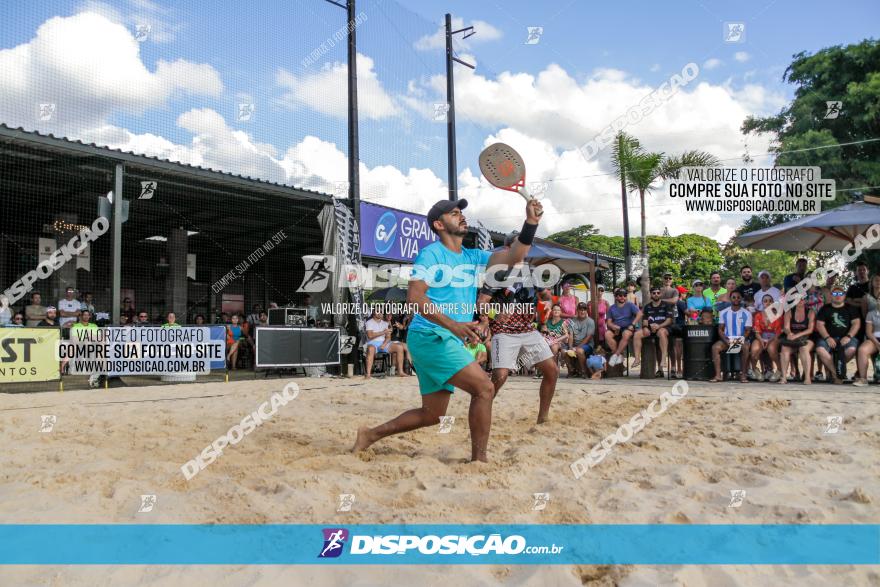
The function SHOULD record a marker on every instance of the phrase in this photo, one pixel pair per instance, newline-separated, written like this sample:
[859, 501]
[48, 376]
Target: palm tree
[624, 148]
[643, 169]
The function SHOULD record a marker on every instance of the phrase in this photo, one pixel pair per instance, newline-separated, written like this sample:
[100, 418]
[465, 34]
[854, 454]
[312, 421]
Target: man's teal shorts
[437, 355]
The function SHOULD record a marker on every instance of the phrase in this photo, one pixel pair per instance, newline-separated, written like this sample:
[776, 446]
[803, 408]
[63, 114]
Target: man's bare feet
[367, 376]
[364, 439]
[596, 375]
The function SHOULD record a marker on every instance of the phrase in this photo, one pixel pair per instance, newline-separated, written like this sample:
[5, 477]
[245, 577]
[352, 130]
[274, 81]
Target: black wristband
[527, 234]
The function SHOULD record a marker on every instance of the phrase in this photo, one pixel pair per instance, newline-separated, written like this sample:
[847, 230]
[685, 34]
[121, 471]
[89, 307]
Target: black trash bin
[698, 341]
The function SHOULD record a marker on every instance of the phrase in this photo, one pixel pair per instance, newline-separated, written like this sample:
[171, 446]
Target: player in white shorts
[516, 342]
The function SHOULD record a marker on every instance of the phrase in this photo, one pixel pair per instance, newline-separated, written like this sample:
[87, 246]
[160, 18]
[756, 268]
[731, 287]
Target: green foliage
[850, 74]
[687, 256]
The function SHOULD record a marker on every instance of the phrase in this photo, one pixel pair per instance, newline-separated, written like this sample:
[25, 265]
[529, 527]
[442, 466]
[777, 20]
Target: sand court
[107, 448]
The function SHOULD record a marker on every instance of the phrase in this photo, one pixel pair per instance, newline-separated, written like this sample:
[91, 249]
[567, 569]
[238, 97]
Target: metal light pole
[451, 164]
[354, 190]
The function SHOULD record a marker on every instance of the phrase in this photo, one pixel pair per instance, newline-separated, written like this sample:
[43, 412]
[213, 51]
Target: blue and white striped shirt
[735, 323]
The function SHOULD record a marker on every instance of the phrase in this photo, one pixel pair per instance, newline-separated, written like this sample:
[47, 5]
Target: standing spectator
[676, 334]
[697, 301]
[544, 306]
[5, 312]
[871, 297]
[669, 294]
[766, 339]
[838, 325]
[798, 327]
[734, 321]
[51, 318]
[857, 290]
[870, 347]
[68, 308]
[658, 320]
[254, 317]
[602, 305]
[311, 311]
[128, 309]
[715, 290]
[748, 288]
[722, 302]
[568, 301]
[621, 321]
[87, 303]
[633, 295]
[35, 312]
[583, 328]
[766, 289]
[792, 279]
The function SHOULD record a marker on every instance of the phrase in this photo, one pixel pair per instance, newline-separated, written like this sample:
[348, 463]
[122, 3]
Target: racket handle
[525, 194]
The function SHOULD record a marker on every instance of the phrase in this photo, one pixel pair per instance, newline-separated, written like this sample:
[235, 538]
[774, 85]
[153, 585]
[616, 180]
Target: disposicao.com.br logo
[334, 540]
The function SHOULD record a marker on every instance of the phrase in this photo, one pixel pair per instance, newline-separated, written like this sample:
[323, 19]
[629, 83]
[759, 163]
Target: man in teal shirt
[443, 287]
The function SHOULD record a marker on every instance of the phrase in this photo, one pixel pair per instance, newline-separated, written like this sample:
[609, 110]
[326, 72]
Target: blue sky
[595, 59]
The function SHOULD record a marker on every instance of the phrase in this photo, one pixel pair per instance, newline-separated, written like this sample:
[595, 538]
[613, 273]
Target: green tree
[850, 75]
[642, 169]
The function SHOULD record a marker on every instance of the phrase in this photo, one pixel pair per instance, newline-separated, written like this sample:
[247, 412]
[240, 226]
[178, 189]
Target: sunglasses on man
[838, 294]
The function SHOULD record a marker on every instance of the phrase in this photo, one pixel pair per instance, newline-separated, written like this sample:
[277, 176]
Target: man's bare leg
[368, 361]
[499, 378]
[471, 379]
[548, 387]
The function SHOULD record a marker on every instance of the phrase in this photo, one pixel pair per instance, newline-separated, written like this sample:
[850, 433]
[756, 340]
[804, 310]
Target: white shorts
[510, 351]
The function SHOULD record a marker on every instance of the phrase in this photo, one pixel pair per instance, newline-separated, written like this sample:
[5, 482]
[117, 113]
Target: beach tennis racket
[503, 167]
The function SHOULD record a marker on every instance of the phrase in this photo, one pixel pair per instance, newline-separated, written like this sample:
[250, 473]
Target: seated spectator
[200, 320]
[17, 321]
[51, 318]
[263, 320]
[870, 347]
[766, 340]
[84, 324]
[233, 340]
[837, 325]
[582, 329]
[171, 321]
[556, 331]
[68, 308]
[798, 326]
[656, 323]
[123, 320]
[224, 318]
[143, 319]
[792, 279]
[621, 325]
[378, 333]
[254, 316]
[734, 321]
[36, 311]
[707, 318]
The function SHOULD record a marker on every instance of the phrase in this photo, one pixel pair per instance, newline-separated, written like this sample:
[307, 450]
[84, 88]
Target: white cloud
[655, 67]
[485, 33]
[87, 59]
[711, 63]
[164, 28]
[741, 56]
[325, 91]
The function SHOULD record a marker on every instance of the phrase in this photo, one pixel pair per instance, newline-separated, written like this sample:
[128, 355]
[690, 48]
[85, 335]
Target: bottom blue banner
[439, 544]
